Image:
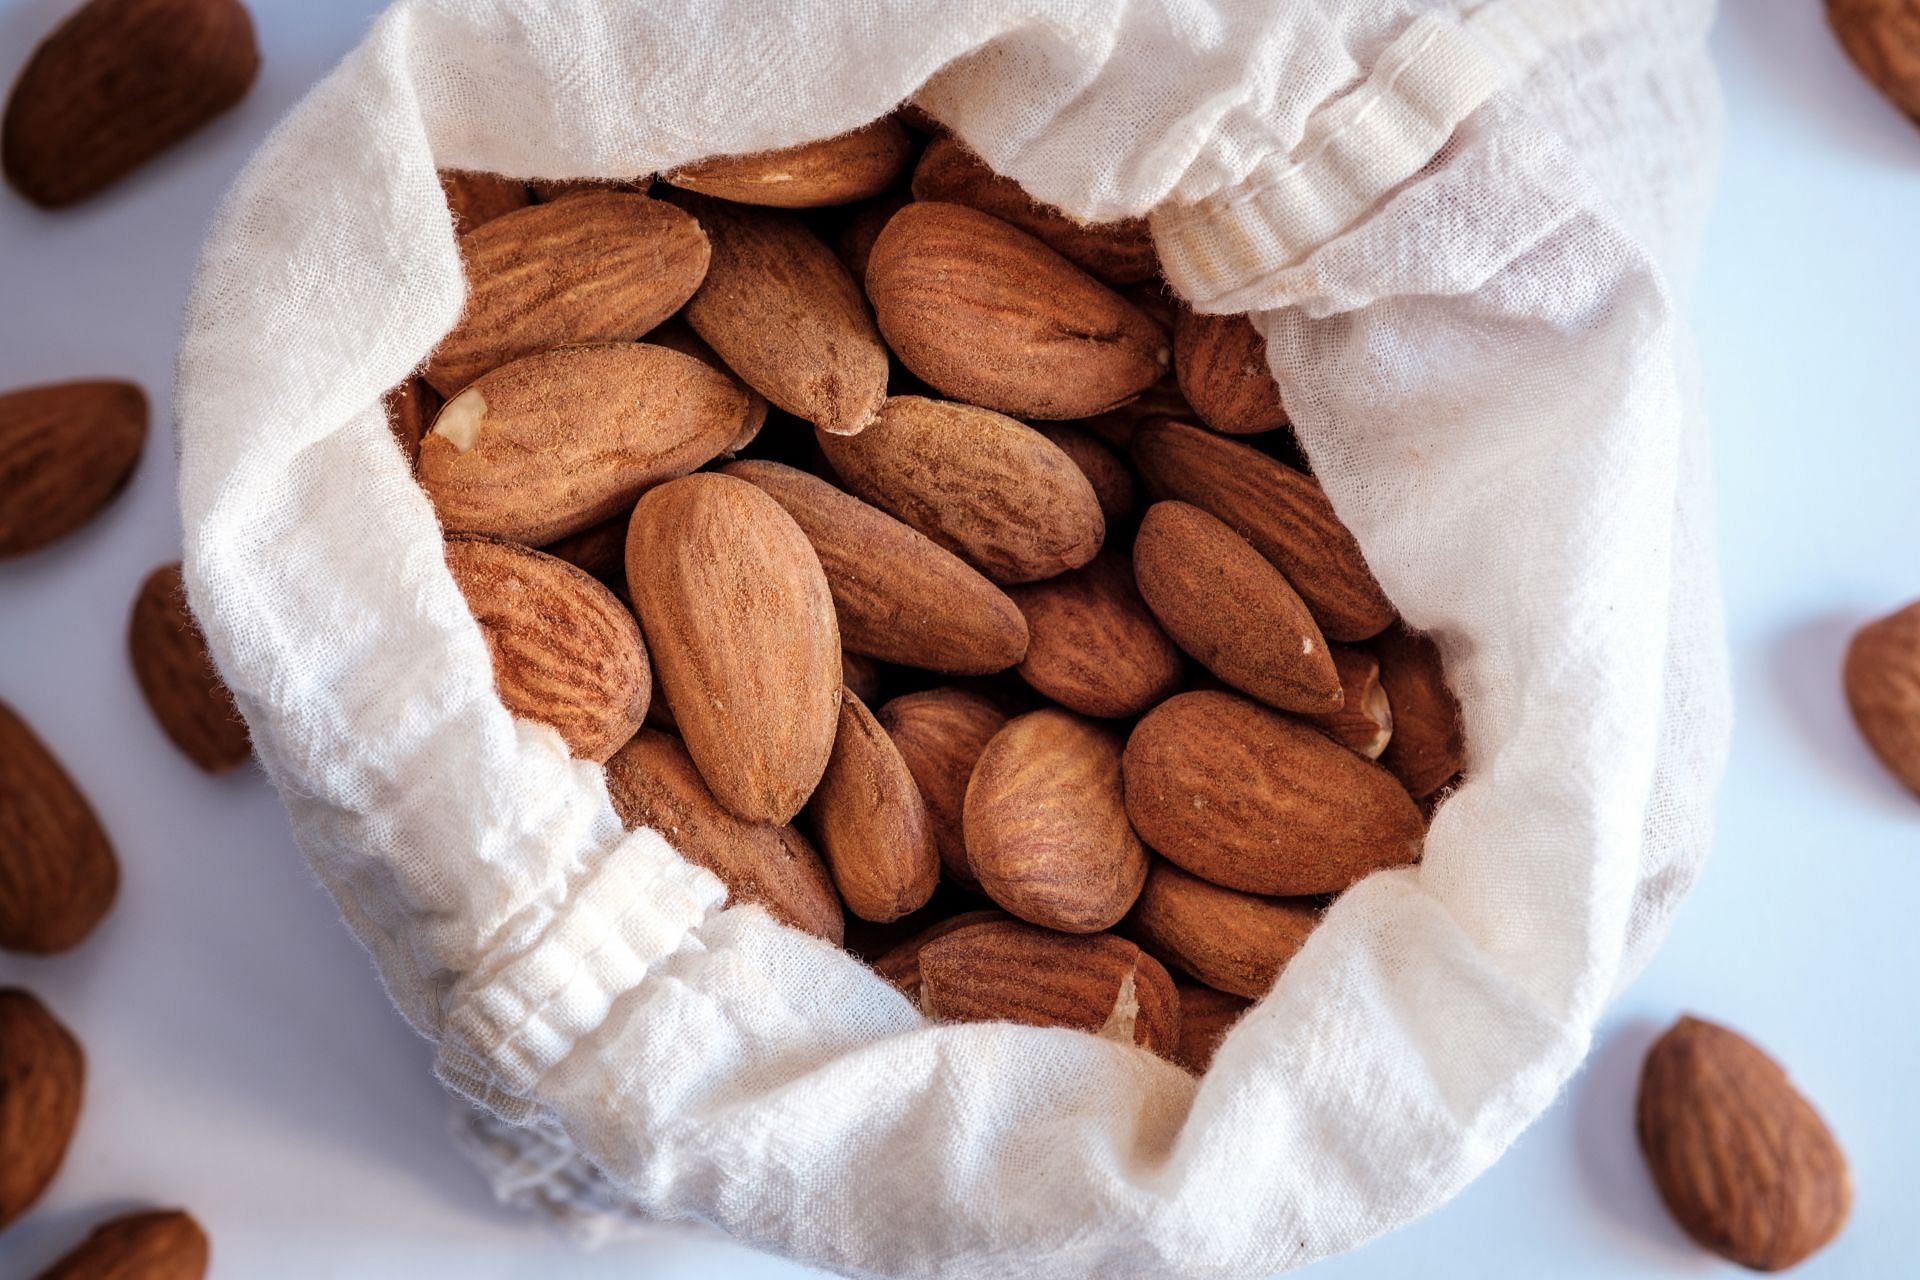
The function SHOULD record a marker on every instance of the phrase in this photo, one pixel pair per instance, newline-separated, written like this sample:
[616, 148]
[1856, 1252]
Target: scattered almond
[58, 875]
[65, 450]
[1883, 689]
[177, 675]
[156, 1245]
[42, 1076]
[1883, 39]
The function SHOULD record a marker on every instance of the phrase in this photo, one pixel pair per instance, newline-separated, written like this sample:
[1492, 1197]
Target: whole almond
[1232, 941]
[871, 821]
[410, 409]
[1206, 1015]
[1005, 971]
[156, 1245]
[1225, 603]
[1883, 39]
[1046, 824]
[739, 619]
[987, 314]
[565, 650]
[1428, 747]
[862, 228]
[899, 596]
[900, 964]
[1116, 252]
[677, 335]
[116, 84]
[991, 490]
[1222, 364]
[835, 170]
[1744, 1163]
[474, 198]
[940, 733]
[1882, 677]
[782, 311]
[1094, 647]
[1281, 512]
[58, 875]
[1364, 722]
[556, 442]
[1247, 798]
[597, 268]
[653, 783]
[65, 450]
[1112, 483]
[42, 1077]
[177, 675]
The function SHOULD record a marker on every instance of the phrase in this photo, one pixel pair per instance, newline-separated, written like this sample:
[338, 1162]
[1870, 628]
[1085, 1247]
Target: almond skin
[653, 783]
[871, 821]
[1046, 825]
[58, 875]
[1428, 747]
[987, 314]
[1364, 722]
[1231, 941]
[1006, 971]
[900, 965]
[677, 335]
[1112, 483]
[1206, 1016]
[1225, 604]
[65, 450]
[600, 550]
[1280, 511]
[1094, 647]
[595, 268]
[42, 1078]
[1744, 1163]
[177, 675]
[784, 314]
[899, 596]
[410, 409]
[1882, 678]
[1883, 39]
[565, 650]
[557, 442]
[940, 733]
[116, 84]
[991, 490]
[156, 1245]
[837, 170]
[740, 622]
[474, 198]
[1244, 797]
[1222, 365]
[863, 226]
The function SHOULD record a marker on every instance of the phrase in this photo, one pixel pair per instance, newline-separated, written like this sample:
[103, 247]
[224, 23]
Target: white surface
[320, 1151]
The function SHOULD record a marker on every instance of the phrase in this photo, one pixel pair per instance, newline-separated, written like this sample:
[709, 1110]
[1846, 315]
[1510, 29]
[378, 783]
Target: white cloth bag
[1463, 229]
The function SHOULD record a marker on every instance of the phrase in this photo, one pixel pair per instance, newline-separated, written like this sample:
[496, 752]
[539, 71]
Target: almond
[871, 822]
[58, 875]
[1428, 748]
[863, 226]
[1281, 512]
[987, 314]
[1883, 39]
[410, 409]
[653, 783]
[940, 734]
[65, 450]
[836, 170]
[987, 488]
[177, 675]
[900, 965]
[1251, 800]
[565, 651]
[1744, 1163]
[600, 550]
[1883, 689]
[116, 84]
[1206, 1016]
[1232, 941]
[42, 1077]
[1046, 825]
[1222, 364]
[677, 335]
[1225, 604]
[1112, 483]
[1364, 722]
[784, 314]
[1005, 971]
[474, 198]
[156, 1245]
[899, 596]
[596, 268]
[1094, 648]
[739, 618]
[864, 675]
[556, 442]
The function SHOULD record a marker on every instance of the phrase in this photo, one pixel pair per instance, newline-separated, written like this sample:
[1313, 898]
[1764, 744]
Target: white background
[245, 1063]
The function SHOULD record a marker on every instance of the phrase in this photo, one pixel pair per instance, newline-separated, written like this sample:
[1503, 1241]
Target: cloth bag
[1463, 230]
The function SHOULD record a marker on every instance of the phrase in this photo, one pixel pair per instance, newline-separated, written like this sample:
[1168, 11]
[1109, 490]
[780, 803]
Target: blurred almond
[58, 875]
[835, 170]
[65, 450]
[1883, 39]
[177, 675]
[1883, 688]
[42, 1077]
[156, 1245]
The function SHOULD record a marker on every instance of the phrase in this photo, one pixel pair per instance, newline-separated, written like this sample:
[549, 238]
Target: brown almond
[654, 784]
[784, 314]
[565, 650]
[410, 409]
[42, 1078]
[835, 170]
[1206, 1016]
[1094, 647]
[987, 314]
[871, 822]
[1882, 678]
[1112, 483]
[1222, 365]
[1232, 941]
[1428, 747]
[900, 964]
[1364, 722]
[1882, 37]
[1281, 512]
[1225, 604]
[1005, 971]
[58, 875]
[556, 442]
[600, 550]
[864, 675]
[991, 490]
[157, 1245]
[863, 226]
[940, 733]
[65, 450]
[596, 268]
[1115, 427]
[1744, 1163]
[474, 198]
[1245, 797]
[739, 620]
[177, 675]
[677, 335]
